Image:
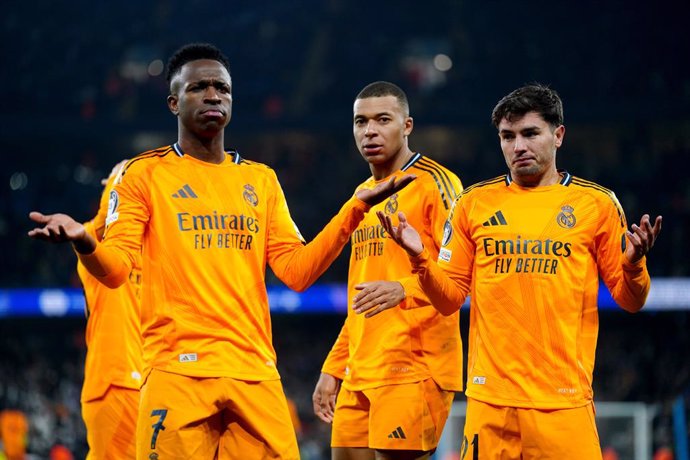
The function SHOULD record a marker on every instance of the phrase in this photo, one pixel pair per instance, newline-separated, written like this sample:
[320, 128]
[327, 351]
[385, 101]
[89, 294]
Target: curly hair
[194, 52]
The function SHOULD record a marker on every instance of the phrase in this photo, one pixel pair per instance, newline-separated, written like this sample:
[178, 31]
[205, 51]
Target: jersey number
[158, 426]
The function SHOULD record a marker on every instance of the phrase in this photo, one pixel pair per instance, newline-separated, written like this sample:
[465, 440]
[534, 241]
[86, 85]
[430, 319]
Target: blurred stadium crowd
[83, 87]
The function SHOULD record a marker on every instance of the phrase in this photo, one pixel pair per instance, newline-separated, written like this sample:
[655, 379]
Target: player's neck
[381, 171]
[551, 177]
[211, 150]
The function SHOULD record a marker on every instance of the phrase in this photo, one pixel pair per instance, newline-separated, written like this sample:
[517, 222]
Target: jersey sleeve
[628, 283]
[127, 215]
[299, 265]
[436, 215]
[96, 226]
[336, 361]
[446, 282]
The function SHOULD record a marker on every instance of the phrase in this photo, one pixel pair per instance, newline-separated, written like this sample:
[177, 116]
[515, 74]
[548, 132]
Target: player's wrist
[416, 253]
[85, 245]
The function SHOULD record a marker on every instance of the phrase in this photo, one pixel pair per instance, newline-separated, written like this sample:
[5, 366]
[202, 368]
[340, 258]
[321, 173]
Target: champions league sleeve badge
[113, 203]
[447, 233]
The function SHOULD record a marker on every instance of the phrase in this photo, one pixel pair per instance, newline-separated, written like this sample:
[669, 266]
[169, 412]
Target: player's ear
[559, 133]
[172, 104]
[409, 125]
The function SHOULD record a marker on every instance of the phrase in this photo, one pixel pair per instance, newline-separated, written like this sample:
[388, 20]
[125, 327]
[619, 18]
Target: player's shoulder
[424, 166]
[602, 197]
[488, 186]
[239, 159]
[596, 191]
[432, 175]
[254, 168]
[147, 160]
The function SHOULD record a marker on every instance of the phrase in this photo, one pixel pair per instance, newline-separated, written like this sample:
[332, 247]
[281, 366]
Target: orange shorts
[516, 433]
[183, 417]
[111, 423]
[408, 416]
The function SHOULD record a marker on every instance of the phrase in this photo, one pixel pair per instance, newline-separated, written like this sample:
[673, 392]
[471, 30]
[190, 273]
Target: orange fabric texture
[530, 434]
[207, 232]
[398, 417]
[113, 336]
[530, 260]
[185, 417]
[111, 424]
[399, 345]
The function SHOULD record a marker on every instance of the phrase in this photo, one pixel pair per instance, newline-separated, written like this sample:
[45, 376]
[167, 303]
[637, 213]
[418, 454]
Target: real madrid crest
[566, 218]
[249, 195]
[391, 204]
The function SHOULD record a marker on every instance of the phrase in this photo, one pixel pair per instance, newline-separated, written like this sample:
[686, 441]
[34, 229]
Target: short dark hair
[385, 88]
[530, 98]
[194, 52]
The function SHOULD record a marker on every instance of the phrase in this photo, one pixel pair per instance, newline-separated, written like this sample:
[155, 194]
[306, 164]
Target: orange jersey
[531, 260]
[400, 346]
[207, 232]
[113, 336]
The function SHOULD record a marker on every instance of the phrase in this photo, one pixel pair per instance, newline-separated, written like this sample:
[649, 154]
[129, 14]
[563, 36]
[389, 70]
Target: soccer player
[207, 221]
[114, 362]
[529, 248]
[399, 370]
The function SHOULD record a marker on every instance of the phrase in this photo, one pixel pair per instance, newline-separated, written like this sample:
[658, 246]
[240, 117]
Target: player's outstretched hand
[324, 397]
[642, 237]
[377, 296]
[404, 234]
[60, 228]
[383, 190]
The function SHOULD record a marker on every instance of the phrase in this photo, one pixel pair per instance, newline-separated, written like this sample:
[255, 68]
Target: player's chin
[213, 127]
[375, 158]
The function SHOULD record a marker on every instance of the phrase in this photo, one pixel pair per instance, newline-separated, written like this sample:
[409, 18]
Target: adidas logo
[185, 192]
[496, 219]
[398, 433]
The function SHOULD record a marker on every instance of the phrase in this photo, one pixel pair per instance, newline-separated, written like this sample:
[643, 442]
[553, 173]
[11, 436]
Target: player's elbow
[299, 287]
[447, 311]
[633, 307]
[112, 282]
[445, 308]
[297, 284]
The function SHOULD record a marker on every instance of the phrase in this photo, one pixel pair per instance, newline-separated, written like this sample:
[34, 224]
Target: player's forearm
[300, 267]
[633, 287]
[446, 294]
[336, 361]
[107, 265]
